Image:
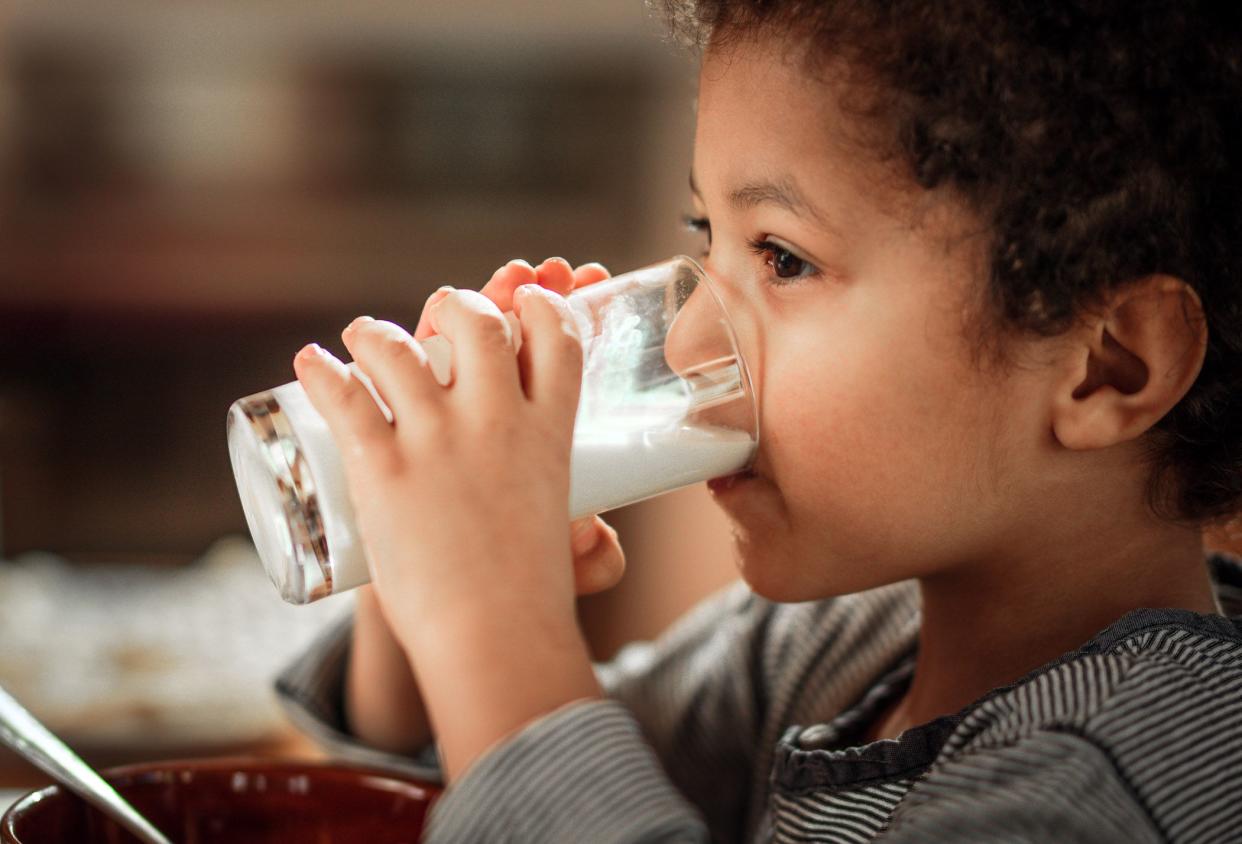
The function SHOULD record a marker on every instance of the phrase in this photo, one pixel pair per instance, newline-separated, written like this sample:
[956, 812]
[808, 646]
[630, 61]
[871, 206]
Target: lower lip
[729, 482]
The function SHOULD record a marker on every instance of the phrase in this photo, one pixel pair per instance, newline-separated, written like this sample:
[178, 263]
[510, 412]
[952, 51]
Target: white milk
[607, 471]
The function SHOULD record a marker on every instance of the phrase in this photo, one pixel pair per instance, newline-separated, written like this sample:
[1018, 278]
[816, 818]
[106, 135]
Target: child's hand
[462, 500]
[599, 560]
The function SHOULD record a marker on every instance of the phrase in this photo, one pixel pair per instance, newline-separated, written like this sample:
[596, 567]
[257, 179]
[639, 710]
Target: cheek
[869, 445]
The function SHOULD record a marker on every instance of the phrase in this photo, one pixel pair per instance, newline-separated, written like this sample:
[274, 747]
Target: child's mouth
[728, 482]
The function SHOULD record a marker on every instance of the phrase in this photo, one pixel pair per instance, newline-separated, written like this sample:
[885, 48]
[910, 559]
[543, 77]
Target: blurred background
[189, 192]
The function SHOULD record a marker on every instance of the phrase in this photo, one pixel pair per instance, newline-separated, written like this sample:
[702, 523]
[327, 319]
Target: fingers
[555, 274]
[397, 365]
[601, 566]
[499, 289]
[505, 280]
[590, 274]
[423, 330]
[484, 361]
[550, 359]
[357, 425]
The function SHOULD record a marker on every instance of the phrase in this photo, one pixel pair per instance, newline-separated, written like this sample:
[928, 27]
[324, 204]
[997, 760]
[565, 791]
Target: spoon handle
[24, 734]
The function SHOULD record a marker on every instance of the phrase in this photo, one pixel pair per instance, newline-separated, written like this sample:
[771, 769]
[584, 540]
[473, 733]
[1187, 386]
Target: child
[981, 257]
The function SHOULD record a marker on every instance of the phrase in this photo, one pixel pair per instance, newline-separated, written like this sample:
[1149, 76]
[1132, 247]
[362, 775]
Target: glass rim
[703, 277]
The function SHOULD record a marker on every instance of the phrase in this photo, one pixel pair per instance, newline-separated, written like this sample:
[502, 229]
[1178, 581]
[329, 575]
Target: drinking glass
[666, 401]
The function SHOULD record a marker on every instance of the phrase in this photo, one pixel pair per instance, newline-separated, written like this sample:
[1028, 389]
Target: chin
[780, 593]
[770, 573]
[787, 565]
[789, 575]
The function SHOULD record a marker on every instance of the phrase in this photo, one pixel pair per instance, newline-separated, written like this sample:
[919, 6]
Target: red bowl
[238, 801]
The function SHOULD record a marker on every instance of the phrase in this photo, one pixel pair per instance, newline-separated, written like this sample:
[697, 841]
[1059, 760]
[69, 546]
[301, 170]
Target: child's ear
[1131, 361]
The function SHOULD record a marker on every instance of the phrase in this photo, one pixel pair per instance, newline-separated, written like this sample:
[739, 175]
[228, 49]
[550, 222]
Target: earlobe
[1131, 362]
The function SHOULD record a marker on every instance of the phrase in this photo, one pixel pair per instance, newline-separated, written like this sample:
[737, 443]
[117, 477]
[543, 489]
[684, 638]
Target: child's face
[886, 452]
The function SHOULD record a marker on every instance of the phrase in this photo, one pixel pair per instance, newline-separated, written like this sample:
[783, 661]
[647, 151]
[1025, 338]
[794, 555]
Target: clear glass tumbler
[666, 401]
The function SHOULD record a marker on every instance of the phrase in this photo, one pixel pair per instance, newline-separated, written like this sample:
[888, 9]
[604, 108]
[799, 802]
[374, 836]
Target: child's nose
[700, 348]
[694, 336]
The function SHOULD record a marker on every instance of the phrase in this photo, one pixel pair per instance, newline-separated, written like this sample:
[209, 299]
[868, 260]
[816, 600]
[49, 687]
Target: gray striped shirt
[741, 724]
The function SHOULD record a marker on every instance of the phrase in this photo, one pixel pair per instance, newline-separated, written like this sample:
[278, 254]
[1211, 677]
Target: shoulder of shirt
[1160, 659]
[1200, 653]
[1153, 699]
[1139, 651]
[1156, 694]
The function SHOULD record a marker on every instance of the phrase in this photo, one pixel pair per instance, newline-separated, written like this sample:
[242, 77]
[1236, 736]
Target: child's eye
[699, 225]
[785, 264]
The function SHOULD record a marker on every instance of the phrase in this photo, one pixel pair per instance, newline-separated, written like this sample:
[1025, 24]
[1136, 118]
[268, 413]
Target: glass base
[279, 498]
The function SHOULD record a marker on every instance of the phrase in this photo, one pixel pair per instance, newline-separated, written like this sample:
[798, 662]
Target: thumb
[599, 560]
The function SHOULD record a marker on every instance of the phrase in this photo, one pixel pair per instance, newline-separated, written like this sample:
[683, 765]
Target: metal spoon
[21, 731]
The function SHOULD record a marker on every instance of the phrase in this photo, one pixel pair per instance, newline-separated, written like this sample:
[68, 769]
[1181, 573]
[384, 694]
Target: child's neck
[989, 624]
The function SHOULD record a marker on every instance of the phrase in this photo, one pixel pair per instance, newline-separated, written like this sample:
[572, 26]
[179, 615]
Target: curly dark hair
[1098, 139]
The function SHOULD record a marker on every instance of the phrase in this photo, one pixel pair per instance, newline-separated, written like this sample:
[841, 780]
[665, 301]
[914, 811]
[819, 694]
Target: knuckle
[342, 391]
[432, 429]
[391, 346]
[496, 335]
[368, 424]
[439, 430]
[554, 312]
[381, 339]
[478, 312]
[349, 394]
[491, 331]
[505, 430]
[390, 461]
[380, 458]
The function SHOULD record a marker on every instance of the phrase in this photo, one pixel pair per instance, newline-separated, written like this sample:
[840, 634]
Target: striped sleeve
[688, 704]
[311, 690]
[669, 757]
[581, 773]
[699, 696]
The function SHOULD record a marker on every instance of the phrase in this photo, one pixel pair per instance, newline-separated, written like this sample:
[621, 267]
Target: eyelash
[698, 225]
[760, 248]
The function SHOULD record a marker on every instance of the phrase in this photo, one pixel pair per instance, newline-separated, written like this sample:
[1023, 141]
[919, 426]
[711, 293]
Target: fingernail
[310, 350]
[522, 262]
[353, 326]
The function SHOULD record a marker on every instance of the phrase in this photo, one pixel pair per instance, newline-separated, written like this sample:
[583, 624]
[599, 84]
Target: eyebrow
[782, 192]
